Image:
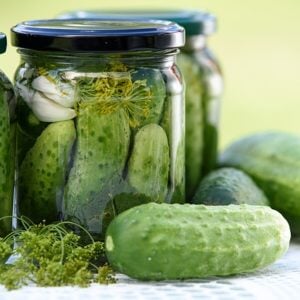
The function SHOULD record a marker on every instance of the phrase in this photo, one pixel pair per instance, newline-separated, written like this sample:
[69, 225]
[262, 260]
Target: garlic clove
[49, 111]
[62, 93]
[62, 99]
[43, 84]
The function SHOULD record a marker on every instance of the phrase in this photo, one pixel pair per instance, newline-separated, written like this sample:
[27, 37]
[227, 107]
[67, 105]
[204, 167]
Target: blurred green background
[258, 44]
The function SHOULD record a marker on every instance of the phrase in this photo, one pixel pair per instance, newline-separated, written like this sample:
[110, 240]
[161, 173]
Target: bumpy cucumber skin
[194, 122]
[272, 160]
[148, 169]
[7, 154]
[42, 173]
[99, 159]
[162, 241]
[229, 186]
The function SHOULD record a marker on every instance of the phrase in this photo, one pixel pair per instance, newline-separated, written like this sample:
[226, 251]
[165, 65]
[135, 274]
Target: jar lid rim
[195, 22]
[3, 42]
[99, 35]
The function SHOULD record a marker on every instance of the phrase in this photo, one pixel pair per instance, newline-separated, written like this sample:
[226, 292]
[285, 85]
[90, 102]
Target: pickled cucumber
[148, 169]
[99, 159]
[42, 173]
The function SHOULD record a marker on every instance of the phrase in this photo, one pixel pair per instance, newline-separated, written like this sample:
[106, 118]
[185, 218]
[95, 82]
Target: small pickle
[148, 178]
[43, 171]
[99, 160]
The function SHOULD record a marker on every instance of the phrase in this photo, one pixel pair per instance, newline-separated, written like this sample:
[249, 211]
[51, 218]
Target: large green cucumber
[148, 168]
[272, 159]
[162, 241]
[43, 172]
[229, 186]
[7, 149]
[99, 160]
[194, 122]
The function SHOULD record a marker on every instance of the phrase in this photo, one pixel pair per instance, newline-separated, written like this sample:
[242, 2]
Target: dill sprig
[113, 91]
[51, 255]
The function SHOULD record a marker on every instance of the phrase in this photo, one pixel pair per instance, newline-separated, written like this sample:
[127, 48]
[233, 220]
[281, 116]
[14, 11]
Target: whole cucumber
[43, 172]
[229, 186]
[148, 168]
[99, 160]
[271, 159]
[162, 241]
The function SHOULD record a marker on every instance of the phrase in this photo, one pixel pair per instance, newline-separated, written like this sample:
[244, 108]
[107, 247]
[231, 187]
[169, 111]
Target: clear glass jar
[101, 119]
[204, 85]
[7, 147]
[204, 81]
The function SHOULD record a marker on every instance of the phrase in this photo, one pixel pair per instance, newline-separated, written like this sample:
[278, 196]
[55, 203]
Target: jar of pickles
[7, 147]
[204, 85]
[101, 118]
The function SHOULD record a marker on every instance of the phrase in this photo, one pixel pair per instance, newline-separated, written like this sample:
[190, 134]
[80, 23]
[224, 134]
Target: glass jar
[101, 118]
[204, 85]
[7, 147]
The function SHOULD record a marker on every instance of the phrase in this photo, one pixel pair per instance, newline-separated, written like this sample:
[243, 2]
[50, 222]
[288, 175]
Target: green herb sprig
[51, 255]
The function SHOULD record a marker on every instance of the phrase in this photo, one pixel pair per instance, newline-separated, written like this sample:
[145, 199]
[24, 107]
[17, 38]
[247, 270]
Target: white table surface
[279, 281]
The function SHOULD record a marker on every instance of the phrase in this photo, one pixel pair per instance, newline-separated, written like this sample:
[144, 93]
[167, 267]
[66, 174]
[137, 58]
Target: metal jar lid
[101, 35]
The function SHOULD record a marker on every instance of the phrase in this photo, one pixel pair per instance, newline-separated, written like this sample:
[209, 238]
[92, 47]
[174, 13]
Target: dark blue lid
[194, 22]
[3, 42]
[99, 35]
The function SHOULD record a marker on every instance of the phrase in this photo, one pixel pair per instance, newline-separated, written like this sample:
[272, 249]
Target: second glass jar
[100, 119]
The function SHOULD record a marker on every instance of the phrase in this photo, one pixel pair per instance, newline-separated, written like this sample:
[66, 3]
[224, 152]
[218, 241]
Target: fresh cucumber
[271, 159]
[229, 186]
[162, 241]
